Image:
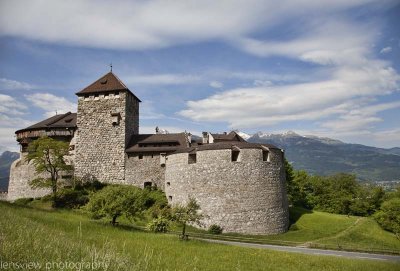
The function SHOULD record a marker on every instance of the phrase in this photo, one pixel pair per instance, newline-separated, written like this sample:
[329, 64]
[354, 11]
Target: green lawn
[331, 231]
[46, 236]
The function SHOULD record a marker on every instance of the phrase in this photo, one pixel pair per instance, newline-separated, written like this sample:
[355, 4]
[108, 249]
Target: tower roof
[107, 83]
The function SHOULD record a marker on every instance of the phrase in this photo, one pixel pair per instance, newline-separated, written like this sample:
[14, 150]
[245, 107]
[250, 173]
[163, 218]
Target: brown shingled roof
[157, 143]
[107, 83]
[67, 120]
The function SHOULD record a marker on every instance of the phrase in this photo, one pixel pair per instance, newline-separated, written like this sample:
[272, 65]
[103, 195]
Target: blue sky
[325, 68]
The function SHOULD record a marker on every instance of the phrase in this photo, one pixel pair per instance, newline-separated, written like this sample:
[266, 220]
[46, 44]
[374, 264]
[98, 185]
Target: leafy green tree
[189, 213]
[116, 200]
[47, 155]
[389, 216]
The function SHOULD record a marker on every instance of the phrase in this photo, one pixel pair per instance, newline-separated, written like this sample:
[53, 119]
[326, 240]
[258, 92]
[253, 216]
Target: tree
[189, 213]
[389, 216]
[116, 200]
[47, 155]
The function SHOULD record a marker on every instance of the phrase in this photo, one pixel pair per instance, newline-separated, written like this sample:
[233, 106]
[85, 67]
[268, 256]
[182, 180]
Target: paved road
[347, 254]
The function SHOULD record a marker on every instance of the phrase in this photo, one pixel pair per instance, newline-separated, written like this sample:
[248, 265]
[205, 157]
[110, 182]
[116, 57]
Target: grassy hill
[46, 236]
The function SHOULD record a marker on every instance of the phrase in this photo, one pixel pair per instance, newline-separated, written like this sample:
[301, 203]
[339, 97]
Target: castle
[239, 186]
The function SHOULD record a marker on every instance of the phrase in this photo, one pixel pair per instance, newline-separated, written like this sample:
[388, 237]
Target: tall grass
[30, 235]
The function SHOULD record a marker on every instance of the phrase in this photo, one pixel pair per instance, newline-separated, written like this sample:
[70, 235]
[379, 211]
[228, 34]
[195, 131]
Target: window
[116, 117]
[168, 183]
[265, 155]
[147, 184]
[140, 156]
[163, 159]
[192, 158]
[235, 156]
[169, 198]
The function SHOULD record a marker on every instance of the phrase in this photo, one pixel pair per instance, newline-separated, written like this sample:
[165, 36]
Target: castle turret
[108, 116]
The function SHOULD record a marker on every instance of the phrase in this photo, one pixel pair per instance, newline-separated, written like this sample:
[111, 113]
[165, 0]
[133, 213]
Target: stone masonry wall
[147, 169]
[100, 144]
[132, 117]
[21, 172]
[248, 196]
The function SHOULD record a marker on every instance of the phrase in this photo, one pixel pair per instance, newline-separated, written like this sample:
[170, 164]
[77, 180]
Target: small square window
[266, 157]
[140, 156]
[192, 159]
[168, 183]
[235, 156]
[170, 198]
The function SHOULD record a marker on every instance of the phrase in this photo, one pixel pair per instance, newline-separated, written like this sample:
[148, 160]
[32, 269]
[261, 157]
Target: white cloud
[8, 84]
[267, 105]
[162, 79]
[154, 24]
[51, 103]
[386, 50]
[10, 106]
[262, 83]
[216, 84]
[7, 140]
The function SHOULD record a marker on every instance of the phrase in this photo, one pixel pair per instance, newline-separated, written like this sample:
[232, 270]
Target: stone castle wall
[132, 118]
[147, 169]
[248, 196]
[100, 143]
[21, 172]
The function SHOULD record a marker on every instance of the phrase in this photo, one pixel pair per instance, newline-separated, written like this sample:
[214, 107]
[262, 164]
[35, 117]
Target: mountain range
[325, 156]
[6, 159]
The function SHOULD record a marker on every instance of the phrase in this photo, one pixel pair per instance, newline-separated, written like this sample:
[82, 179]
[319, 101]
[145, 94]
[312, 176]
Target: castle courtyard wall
[247, 196]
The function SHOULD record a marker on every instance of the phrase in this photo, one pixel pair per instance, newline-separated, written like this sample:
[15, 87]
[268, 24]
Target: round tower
[239, 186]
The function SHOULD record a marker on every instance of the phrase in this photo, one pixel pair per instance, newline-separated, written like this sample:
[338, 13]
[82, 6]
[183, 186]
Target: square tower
[107, 117]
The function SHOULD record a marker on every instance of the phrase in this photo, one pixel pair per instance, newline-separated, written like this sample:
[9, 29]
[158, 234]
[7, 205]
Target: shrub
[159, 224]
[23, 201]
[215, 229]
[389, 215]
[70, 198]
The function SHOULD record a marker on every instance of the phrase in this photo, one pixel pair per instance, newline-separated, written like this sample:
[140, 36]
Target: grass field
[332, 231]
[48, 238]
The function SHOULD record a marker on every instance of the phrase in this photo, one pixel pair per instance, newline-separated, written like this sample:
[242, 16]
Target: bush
[215, 229]
[389, 215]
[70, 198]
[159, 224]
[23, 201]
